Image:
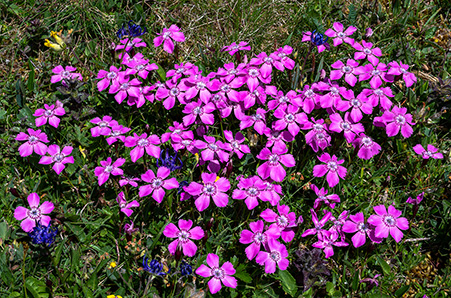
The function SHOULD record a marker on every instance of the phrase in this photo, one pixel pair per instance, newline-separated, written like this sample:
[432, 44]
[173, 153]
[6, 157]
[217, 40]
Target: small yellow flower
[197, 157]
[113, 296]
[57, 38]
[53, 46]
[217, 178]
[112, 265]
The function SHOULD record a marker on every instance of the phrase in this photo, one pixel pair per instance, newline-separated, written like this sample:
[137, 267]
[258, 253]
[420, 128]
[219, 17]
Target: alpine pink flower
[378, 94]
[331, 167]
[319, 224]
[289, 117]
[125, 207]
[107, 78]
[350, 129]
[107, 168]
[396, 120]
[388, 222]
[417, 200]
[272, 167]
[234, 47]
[347, 70]
[34, 140]
[357, 224]
[368, 147]
[199, 110]
[212, 188]
[167, 37]
[183, 234]
[220, 275]
[50, 113]
[143, 143]
[365, 50]
[157, 183]
[251, 189]
[276, 257]
[357, 105]
[257, 237]
[128, 45]
[283, 53]
[401, 69]
[329, 200]
[103, 126]
[58, 157]
[124, 88]
[285, 221]
[117, 132]
[339, 35]
[235, 144]
[34, 214]
[326, 240]
[64, 74]
[129, 181]
[430, 152]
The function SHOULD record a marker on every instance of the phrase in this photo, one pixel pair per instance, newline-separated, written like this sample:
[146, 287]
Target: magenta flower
[143, 143]
[107, 168]
[376, 74]
[129, 181]
[326, 240]
[357, 224]
[199, 110]
[396, 120]
[347, 70]
[183, 234]
[289, 117]
[388, 222]
[283, 53]
[257, 237]
[212, 149]
[125, 207]
[58, 157]
[357, 105]
[34, 214]
[331, 167]
[235, 144]
[276, 257]
[258, 120]
[401, 69]
[212, 188]
[124, 88]
[426, 154]
[319, 224]
[251, 189]
[116, 133]
[350, 130]
[107, 78]
[157, 183]
[275, 190]
[368, 147]
[128, 45]
[318, 136]
[130, 229]
[220, 275]
[339, 35]
[103, 127]
[272, 167]
[268, 62]
[285, 221]
[365, 50]
[49, 113]
[329, 200]
[167, 37]
[378, 94]
[140, 67]
[417, 200]
[34, 142]
[64, 74]
[171, 93]
[233, 48]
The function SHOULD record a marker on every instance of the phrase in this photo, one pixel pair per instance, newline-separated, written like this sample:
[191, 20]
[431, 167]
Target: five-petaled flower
[213, 188]
[50, 113]
[107, 168]
[183, 234]
[157, 183]
[125, 207]
[220, 275]
[58, 157]
[166, 37]
[275, 257]
[331, 167]
[34, 142]
[272, 167]
[35, 214]
[431, 152]
[388, 222]
[62, 74]
[234, 47]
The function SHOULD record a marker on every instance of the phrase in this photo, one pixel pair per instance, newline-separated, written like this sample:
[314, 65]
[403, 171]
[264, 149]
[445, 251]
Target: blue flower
[185, 268]
[43, 235]
[169, 161]
[133, 30]
[155, 267]
[181, 185]
[318, 38]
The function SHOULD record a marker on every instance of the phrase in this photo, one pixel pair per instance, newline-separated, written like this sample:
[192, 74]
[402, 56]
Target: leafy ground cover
[95, 244]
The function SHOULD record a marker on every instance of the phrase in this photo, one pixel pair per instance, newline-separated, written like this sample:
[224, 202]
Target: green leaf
[30, 82]
[288, 282]
[400, 292]
[36, 287]
[160, 71]
[58, 251]
[244, 276]
[385, 267]
[4, 231]
[19, 93]
[330, 288]
[355, 281]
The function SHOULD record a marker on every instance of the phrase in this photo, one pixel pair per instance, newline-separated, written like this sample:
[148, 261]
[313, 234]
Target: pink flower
[157, 183]
[220, 275]
[283, 53]
[326, 240]
[141, 67]
[103, 126]
[376, 75]
[331, 167]
[58, 157]
[166, 37]
[200, 110]
[268, 62]
[357, 224]
[107, 78]
[396, 120]
[233, 48]
[347, 70]
[368, 148]
[183, 234]
[108, 168]
[318, 136]
[377, 95]
[34, 214]
[289, 117]
[275, 257]
[357, 105]
[285, 221]
[350, 130]
[401, 69]
[124, 88]
[272, 167]
[171, 93]
[128, 45]
[212, 188]
[212, 149]
[257, 237]
[426, 154]
[329, 200]
[64, 74]
[125, 207]
[365, 50]
[130, 229]
[235, 144]
[258, 120]
[143, 143]
[34, 139]
[129, 181]
[339, 35]
[49, 113]
[116, 133]
[251, 189]
[388, 222]
[319, 224]
[417, 200]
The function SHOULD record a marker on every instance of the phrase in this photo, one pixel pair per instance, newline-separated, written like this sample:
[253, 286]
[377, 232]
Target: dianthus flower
[33, 142]
[107, 78]
[251, 189]
[129, 181]
[258, 120]
[326, 240]
[107, 168]
[331, 167]
[388, 222]
[401, 69]
[128, 45]
[35, 214]
[167, 37]
[350, 129]
[58, 157]
[431, 152]
[64, 74]
[272, 167]
[220, 275]
[124, 88]
[357, 105]
[289, 117]
[357, 224]
[235, 144]
[268, 62]
[103, 126]
[124, 206]
[143, 143]
[417, 200]
[117, 132]
[368, 147]
[285, 221]
[339, 35]
[212, 188]
[283, 53]
[377, 74]
[157, 183]
[234, 47]
[183, 234]
[318, 136]
[276, 257]
[329, 200]
[347, 70]
[365, 50]
[379, 95]
[319, 224]
[50, 113]
[212, 149]
[172, 92]
[257, 237]
[396, 120]
[200, 110]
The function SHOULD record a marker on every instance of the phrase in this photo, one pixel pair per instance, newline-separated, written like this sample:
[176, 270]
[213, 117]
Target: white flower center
[183, 236]
[174, 92]
[33, 140]
[200, 85]
[253, 72]
[400, 120]
[273, 159]
[34, 213]
[367, 51]
[275, 256]
[259, 238]
[217, 273]
[345, 125]
[346, 69]
[209, 189]
[143, 142]
[111, 75]
[332, 165]
[109, 168]
[58, 157]
[367, 142]
[197, 110]
[289, 118]
[389, 220]
[156, 182]
[355, 103]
